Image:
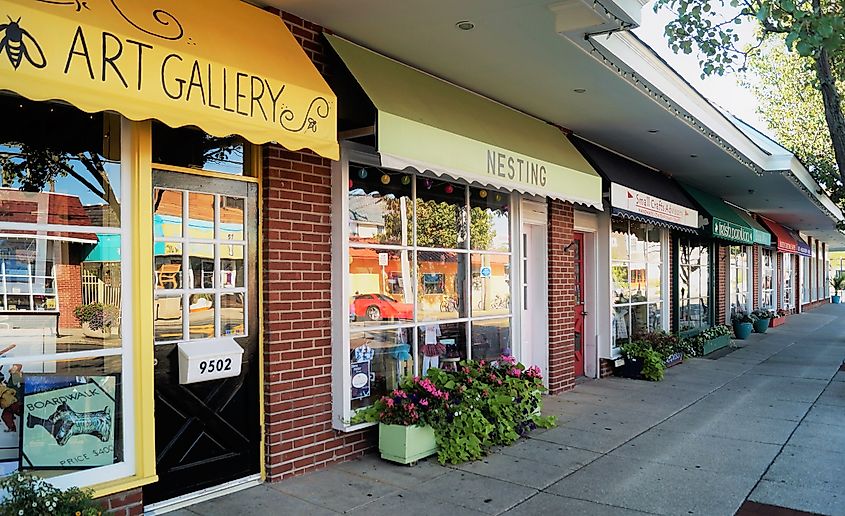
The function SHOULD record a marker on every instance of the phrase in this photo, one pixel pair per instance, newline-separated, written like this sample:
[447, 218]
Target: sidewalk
[764, 423]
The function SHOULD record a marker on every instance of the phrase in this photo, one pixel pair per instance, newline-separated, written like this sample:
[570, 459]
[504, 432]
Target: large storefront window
[788, 296]
[637, 274]
[693, 286]
[64, 314]
[429, 277]
[739, 284]
[767, 275]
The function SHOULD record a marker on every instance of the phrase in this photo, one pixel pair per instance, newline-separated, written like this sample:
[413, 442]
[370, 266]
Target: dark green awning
[725, 222]
[761, 234]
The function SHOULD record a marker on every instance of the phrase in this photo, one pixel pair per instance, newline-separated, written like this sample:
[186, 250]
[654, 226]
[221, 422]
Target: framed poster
[360, 375]
[11, 394]
[69, 422]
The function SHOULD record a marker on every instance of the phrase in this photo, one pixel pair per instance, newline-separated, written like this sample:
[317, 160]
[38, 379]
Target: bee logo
[17, 43]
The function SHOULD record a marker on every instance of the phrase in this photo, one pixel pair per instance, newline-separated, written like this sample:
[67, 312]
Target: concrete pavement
[764, 423]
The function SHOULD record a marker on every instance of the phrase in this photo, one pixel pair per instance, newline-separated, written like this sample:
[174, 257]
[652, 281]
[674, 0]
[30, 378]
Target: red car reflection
[375, 307]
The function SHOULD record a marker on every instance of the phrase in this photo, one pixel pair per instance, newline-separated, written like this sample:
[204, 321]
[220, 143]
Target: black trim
[638, 217]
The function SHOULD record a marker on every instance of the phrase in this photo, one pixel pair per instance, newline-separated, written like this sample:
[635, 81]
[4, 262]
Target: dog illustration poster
[68, 422]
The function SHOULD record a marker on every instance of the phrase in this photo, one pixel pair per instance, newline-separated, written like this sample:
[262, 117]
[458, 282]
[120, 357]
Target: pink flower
[424, 402]
[482, 363]
[389, 402]
[533, 372]
[516, 372]
[507, 359]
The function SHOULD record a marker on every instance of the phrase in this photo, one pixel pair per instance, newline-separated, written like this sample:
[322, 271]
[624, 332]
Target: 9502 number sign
[212, 366]
[204, 360]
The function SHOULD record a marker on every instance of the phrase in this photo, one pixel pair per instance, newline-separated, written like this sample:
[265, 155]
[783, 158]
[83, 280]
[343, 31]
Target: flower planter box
[777, 321]
[406, 444]
[718, 343]
[674, 359]
[761, 325]
[632, 368]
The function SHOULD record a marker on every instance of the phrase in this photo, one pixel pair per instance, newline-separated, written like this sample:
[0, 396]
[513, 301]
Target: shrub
[653, 361]
[32, 496]
[664, 343]
[97, 315]
[480, 405]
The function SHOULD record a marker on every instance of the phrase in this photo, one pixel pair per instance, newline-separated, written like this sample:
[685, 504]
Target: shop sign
[69, 423]
[634, 201]
[485, 272]
[224, 66]
[731, 231]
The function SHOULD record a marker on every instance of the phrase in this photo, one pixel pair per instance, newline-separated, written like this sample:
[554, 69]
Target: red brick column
[561, 297]
[756, 264]
[69, 287]
[126, 503]
[297, 317]
[721, 282]
[671, 300]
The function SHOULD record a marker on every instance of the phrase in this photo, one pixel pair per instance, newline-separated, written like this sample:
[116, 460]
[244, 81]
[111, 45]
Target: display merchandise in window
[63, 286]
[429, 276]
[739, 283]
[693, 285]
[787, 298]
[767, 275]
[636, 251]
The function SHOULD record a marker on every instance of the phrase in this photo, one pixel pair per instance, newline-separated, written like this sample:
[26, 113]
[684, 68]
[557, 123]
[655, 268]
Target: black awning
[616, 169]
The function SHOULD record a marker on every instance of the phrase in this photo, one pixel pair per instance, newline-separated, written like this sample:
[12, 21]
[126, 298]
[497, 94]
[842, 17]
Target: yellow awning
[222, 65]
[429, 124]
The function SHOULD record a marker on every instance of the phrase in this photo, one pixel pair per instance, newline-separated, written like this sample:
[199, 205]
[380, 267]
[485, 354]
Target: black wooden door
[207, 433]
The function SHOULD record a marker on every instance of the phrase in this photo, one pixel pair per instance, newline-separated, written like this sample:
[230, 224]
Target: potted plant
[458, 414]
[743, 324]
[668, 345]
[97, 319]
[838, 284]
[642, 357]
[762, 318]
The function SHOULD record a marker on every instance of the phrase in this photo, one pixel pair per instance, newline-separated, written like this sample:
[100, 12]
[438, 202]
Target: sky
[724, 91]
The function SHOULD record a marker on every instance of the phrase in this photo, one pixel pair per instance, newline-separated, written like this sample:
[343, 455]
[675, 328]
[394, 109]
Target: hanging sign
[223, 65]
[68, 422]
[360, 374]
[640, 203]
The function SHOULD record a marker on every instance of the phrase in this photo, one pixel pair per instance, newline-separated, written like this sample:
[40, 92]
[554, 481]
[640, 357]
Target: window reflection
[490, 289]
[60, 165]
[167, 213]
[382, 286]
[491, 339]
[231, 265]
[441, 214]
[201, 216]
[380, 212]
[201, 262]
[192, 148]
[441, 345]
[232, 314]
[231, 218]
[637, 284]
[489, 220]
[168, 265]
[201, 316]
[442, 278]
[379, 360]
[167, 318]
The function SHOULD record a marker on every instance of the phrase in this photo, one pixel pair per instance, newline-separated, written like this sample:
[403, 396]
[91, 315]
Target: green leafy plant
[739, 317]
[694, 346]
[664, 343]
[838, 283]
[97, 315]
[482, 404]
[32, 496]
[763, 313]
[653, 361]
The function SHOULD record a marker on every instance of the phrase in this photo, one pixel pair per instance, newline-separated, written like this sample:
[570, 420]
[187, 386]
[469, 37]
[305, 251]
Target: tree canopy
[813, 29]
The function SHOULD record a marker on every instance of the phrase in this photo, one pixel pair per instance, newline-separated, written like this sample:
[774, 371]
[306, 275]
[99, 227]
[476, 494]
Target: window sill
[347, 427]
[122, 484]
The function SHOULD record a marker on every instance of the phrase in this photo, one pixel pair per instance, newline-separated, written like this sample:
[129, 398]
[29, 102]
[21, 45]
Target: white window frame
[774, 272]
[749, 280]
[342, 411]
[126, 467]
[787, 300]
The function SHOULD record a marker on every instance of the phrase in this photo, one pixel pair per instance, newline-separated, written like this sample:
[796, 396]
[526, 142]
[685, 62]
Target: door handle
[155, 362]
[584, 312]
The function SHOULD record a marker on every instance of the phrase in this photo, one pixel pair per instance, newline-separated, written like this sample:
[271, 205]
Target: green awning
[725, 222]
[761, 234]
[428, 124]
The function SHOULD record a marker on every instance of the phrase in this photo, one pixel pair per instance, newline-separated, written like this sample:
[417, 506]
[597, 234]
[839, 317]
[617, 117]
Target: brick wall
[722, 253]
[756, 264]
[561, 297]
[605, 367]
[672, 274]
[297, 304]
[127, 503]
[69, 287]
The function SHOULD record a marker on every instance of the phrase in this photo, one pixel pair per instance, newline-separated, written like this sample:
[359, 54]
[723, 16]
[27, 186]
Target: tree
[815, 29]
[436, 223]
[793, 108]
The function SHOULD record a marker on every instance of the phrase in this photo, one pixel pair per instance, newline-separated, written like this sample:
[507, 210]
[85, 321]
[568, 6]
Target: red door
[578, 258]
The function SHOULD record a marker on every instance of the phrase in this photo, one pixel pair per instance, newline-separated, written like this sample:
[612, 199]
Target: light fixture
[569, 246]
[465, 25]
[693, 155]
[653, 131]
[580, 90]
